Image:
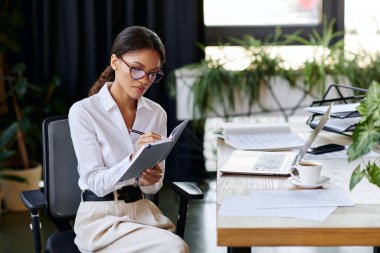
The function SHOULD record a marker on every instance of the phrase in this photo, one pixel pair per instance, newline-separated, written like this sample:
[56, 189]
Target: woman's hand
[150, 176]
[147, 138]
[153, 175]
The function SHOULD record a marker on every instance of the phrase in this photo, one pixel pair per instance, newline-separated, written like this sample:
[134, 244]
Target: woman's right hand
[147, 138]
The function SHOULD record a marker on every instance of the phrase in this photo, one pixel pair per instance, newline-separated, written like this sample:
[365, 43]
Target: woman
[113, 216]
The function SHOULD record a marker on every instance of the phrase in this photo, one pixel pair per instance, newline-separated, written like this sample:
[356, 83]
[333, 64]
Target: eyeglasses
[138, 73]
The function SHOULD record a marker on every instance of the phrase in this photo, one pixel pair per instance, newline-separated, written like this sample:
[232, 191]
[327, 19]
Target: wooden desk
[346, 226]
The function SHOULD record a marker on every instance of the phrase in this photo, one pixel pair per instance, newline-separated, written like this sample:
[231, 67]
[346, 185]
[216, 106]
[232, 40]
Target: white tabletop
[359, 225]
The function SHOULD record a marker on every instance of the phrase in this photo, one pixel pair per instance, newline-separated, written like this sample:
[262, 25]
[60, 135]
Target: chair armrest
[187, 190]
[33, 200]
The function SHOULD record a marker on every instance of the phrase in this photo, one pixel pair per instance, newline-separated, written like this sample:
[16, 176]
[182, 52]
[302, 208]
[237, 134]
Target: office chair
[61, 195]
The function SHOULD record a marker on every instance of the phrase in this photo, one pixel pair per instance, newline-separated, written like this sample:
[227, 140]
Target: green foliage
[20, 127]
[28, 104]
[217, 85]
[366, 135]
[328, 49]
[356, 177]
[5, 138]
[360, 68]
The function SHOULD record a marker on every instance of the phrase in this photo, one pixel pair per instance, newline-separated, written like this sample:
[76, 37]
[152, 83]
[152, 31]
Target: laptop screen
[314, 134]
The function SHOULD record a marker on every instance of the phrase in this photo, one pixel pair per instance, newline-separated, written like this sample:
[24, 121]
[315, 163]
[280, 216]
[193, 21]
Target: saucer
[322, 181]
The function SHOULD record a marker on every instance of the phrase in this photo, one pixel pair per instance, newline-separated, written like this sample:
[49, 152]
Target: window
[362, 25]
[226, 18]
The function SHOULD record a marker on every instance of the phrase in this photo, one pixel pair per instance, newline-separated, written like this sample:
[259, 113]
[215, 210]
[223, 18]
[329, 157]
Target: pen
[141, 133]
[136, 131]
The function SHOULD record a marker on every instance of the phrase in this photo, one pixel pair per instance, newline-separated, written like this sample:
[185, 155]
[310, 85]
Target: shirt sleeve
[152, 189]
[100, 179]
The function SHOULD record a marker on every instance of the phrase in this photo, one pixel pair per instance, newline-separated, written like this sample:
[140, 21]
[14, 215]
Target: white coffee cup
[309, 172]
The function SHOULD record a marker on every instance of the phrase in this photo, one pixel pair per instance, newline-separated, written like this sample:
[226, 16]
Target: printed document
[303, 204]
[265, 137]
[339, 110]
[339, 125]
[300, 198]
[242, 206]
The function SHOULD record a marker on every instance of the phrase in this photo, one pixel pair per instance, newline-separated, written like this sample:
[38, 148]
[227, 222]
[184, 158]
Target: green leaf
[373, 100]
[364, 138]
[24, 124]
[21, 86]
[373, 173]
[8, 134]
[18, 69]
[4, 154]
[367, 133]
[356, 177]
[13, 178]
[362, 109]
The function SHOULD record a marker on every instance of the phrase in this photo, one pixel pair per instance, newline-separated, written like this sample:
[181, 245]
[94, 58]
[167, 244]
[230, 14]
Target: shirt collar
[105, 96]
[143, 103]
[108, 102]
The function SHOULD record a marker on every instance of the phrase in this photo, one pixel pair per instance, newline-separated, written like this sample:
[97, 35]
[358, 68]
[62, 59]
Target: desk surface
[358, 225]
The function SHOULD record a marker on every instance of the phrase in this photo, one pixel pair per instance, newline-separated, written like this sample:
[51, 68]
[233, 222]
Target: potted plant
[215, 86]
[5, 138]
[365, 137]
[20, 128]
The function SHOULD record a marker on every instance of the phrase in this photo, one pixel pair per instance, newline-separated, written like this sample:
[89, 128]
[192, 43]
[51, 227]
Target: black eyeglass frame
[158, 74]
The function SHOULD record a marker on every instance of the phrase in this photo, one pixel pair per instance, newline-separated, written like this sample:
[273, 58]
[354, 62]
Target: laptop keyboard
[270, 162]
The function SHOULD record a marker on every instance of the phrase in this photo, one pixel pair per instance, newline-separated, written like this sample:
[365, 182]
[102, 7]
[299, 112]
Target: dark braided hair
[131, 39]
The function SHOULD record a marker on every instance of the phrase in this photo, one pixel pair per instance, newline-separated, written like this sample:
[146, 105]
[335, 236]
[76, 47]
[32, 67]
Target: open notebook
[151, 154]
[271, 163]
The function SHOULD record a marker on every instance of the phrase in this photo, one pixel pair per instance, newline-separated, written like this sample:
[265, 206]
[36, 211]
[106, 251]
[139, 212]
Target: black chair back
[60, 172]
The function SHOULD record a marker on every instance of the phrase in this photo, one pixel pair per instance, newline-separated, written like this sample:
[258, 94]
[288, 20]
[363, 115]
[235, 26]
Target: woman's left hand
[150, 176]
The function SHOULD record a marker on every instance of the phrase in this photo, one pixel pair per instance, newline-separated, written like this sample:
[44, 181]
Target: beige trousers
[119, 227]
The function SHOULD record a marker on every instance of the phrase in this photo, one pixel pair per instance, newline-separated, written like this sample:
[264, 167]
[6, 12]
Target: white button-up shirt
[103, 144]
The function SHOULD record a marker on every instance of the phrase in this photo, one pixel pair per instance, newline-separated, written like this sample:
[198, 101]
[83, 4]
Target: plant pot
[12, 189]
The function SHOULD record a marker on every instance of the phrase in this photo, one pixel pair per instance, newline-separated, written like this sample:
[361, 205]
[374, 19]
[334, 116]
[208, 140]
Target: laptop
[271, 163]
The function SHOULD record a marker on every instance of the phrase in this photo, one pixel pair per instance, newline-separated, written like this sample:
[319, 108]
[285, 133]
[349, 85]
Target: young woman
[114, 216]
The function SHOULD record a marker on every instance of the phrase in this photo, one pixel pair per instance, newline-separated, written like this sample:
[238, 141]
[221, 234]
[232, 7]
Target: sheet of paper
[337, 108]
[239, 128]
[300, 198]
[271, 141]
[339, 125]
[243, 206]
[261, 136]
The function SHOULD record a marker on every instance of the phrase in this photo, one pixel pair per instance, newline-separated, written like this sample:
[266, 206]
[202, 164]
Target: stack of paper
[339, 125]
[303, 204]
[338, 111]
[261, 137]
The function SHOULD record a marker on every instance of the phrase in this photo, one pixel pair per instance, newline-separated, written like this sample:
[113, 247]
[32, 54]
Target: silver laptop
[271, 163]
